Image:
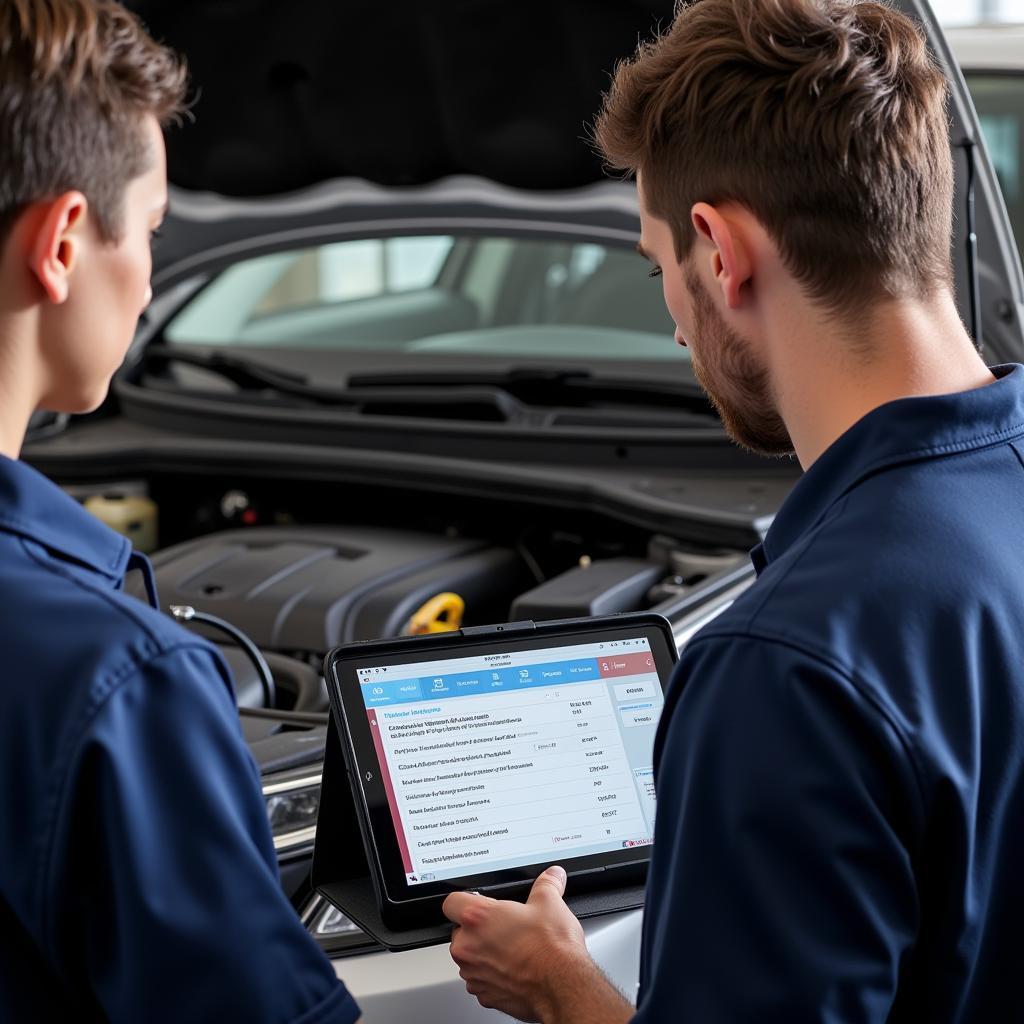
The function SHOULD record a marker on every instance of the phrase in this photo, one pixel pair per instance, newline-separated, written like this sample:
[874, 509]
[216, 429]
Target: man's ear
[731, 264]
[54, 246]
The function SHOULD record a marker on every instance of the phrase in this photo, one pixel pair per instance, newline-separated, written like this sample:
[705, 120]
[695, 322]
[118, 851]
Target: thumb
[550, 885]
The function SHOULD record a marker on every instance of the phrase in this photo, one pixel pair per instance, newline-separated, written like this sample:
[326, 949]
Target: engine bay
[301, 568]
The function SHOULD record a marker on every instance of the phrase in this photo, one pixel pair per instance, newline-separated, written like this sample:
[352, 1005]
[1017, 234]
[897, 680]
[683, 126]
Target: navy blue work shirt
[138, 880]
[840, 765]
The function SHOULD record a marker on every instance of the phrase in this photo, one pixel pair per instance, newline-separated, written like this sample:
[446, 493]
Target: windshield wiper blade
[430, 400]
[550, 386]
[243, 373]
[469, 378]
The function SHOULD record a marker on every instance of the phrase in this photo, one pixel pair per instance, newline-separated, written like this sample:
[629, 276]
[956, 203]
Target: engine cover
[307, 589]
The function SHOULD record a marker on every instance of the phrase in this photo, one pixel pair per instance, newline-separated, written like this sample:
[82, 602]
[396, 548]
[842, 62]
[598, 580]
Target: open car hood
[415, 91]
[401, 93]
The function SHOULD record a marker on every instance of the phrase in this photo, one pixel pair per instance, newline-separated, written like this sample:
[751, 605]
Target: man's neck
[18, 387]
[825, 382]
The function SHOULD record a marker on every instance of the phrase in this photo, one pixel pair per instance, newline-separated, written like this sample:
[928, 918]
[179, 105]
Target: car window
[999, 100]
[464, 294]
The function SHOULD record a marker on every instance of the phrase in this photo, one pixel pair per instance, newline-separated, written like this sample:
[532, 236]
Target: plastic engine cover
[310, 588]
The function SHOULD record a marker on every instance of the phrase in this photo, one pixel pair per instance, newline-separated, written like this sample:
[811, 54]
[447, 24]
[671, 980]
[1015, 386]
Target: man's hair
[77, 79]
[825, 118]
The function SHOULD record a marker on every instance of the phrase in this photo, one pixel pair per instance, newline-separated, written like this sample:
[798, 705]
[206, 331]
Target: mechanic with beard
[138, 880]
[840, 762]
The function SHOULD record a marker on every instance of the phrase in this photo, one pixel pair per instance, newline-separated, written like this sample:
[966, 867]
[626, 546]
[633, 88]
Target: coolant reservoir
[133, 516]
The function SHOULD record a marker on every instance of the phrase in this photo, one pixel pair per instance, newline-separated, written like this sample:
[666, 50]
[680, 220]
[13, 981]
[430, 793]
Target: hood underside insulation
[290, 94]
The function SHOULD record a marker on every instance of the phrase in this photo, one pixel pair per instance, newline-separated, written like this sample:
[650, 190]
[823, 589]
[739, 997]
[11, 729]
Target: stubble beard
[738, 386]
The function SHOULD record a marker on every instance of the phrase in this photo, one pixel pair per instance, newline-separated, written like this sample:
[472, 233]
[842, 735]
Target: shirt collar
[34, 507]
[906, 430]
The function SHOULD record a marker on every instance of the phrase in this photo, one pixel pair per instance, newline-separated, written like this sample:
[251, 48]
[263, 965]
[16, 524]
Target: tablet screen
[495, 761]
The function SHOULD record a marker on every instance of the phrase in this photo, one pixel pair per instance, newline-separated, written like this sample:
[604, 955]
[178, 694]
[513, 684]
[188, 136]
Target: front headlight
[336, 934]
[292, 808]
[289, 812]
[331, 922]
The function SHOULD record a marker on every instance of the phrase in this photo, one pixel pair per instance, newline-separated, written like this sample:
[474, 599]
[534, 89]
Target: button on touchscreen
[504, 760]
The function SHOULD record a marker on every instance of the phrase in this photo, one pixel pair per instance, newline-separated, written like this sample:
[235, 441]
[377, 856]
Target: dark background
[399, 93]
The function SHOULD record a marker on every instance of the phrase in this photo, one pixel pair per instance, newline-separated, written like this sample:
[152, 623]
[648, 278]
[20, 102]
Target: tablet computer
[477, 758]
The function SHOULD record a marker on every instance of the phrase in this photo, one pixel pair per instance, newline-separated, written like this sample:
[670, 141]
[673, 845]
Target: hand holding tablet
[531, 960]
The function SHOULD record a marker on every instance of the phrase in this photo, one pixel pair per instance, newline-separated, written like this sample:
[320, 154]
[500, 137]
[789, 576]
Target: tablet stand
[341, 872]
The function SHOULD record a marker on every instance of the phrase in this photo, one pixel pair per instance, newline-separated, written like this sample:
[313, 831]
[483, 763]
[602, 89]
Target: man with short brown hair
[138, 879]
[839, 765]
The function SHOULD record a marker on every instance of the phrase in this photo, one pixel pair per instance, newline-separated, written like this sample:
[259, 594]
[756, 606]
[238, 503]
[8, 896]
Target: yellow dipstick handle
[441, 614]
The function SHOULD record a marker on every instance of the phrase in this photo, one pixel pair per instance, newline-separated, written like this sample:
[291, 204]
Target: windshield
[471, 295]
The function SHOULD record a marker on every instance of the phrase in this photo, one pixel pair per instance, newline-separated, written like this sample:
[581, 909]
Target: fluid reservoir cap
[441, 614]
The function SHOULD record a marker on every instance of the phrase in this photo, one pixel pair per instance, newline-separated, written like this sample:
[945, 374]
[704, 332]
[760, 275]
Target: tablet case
[341, 873]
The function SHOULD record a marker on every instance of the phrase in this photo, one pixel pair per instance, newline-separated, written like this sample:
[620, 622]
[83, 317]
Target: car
[402, 368]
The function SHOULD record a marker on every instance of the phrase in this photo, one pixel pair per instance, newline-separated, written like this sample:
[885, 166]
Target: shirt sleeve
[165, 895]
[781, 885]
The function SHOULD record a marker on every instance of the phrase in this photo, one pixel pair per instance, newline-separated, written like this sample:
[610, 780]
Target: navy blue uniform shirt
[137, 873]
[840, 765]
